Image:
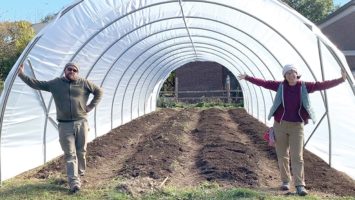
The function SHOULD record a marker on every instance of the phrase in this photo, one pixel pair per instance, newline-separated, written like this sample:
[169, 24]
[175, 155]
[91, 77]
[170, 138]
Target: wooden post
[228, 88]
[176, 88]
[238, 94]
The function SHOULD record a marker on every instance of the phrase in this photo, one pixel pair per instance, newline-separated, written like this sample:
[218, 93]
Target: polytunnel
[129, 47]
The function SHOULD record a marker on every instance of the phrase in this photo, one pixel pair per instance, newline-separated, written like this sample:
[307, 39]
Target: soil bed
[186, 147]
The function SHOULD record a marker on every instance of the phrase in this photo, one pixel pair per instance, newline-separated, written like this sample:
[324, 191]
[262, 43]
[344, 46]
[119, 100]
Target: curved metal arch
[45, 111]
[222, 65]
[195, 28]
[183, 62]
[242, 45]
[146, 68]
[6, 94]
[122, 17]
[140, 92]
[122, 102]
[253, 85]
[170, 2]
[114, 96]
[115, 20]
[337, 59]
[239, 42]
[150, 58]
[126, 34]
[126, 69]
[251, 71]
[95, 122]
[161, 4]
[339, 63]
[201, 29]
[158, 66]
[109, 47]
[175, 29]
[179, 60]
[262, 22]
[259, 43]
[223, 5]
[326, 105]
[238, 50]
[168, 69]
[187, 29]
[113, 64]
[136, 58]
[123, 53]
[98, 32]
[167, 2]
[292, 46]
[63, 12]
[176, 62]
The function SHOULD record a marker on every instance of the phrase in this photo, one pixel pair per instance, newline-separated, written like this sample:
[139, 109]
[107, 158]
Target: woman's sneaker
[300, 190]
[285, 186]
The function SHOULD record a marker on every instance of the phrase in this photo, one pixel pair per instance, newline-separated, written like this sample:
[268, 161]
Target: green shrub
[206, 102]
[164, 102]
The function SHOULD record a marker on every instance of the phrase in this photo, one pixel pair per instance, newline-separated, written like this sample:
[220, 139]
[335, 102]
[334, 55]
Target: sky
[30, 10]
[35, 10]
[335, 2]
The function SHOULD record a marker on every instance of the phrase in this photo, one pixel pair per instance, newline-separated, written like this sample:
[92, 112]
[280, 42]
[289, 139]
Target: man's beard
[71, 78]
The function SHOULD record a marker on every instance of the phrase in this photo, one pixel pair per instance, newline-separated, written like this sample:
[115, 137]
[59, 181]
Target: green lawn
[36, 189]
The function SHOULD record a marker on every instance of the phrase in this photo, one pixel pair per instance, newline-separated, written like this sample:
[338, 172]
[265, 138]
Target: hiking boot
[74, 189]
[300, 190]
[285, 186]
[81, 172]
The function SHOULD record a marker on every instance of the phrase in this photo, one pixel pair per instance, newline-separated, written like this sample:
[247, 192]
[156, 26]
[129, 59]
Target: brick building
[204, 76]
[339, 27]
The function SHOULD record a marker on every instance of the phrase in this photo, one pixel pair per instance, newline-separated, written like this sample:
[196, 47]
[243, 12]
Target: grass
[35, 189]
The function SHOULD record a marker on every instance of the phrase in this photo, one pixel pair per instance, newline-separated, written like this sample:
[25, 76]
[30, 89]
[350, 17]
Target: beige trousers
[73, 140]
[289, 143]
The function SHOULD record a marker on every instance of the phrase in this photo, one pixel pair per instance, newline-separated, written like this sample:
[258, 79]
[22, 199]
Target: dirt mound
[157, 151]
[189, 146]
[224, 157]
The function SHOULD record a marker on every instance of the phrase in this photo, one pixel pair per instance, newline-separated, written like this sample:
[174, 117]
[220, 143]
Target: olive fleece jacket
[70, 97]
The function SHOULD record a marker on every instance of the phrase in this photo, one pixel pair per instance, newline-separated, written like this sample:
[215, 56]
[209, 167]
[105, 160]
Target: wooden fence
[227, 95]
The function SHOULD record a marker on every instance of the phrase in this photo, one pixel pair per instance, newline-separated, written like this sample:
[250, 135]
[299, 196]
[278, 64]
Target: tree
[48, 18]
[14, 37]
[169, 84]
[314, 10]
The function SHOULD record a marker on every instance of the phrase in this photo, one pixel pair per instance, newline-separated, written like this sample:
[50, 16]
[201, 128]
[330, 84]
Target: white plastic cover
[129, 47]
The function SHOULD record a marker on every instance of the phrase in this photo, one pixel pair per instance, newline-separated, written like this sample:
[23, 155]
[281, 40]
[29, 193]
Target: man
[70, 94]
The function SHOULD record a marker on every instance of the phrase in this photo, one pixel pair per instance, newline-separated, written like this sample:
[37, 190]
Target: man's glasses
[71, 69]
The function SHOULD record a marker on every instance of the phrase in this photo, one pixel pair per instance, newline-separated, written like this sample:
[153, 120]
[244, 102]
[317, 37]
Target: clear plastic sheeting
[129, 47]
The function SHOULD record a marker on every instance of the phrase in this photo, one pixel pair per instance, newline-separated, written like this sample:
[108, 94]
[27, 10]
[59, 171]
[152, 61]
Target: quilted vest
[305, 102]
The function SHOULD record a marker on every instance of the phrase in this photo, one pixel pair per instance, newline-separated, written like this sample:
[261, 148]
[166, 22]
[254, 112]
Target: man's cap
[72, 64]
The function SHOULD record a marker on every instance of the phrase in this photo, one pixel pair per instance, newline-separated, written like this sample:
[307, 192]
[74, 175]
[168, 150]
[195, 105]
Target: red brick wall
[200, 76]
[341, 33]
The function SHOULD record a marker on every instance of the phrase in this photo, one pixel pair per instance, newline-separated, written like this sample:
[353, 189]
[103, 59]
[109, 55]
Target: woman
[291, 110]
